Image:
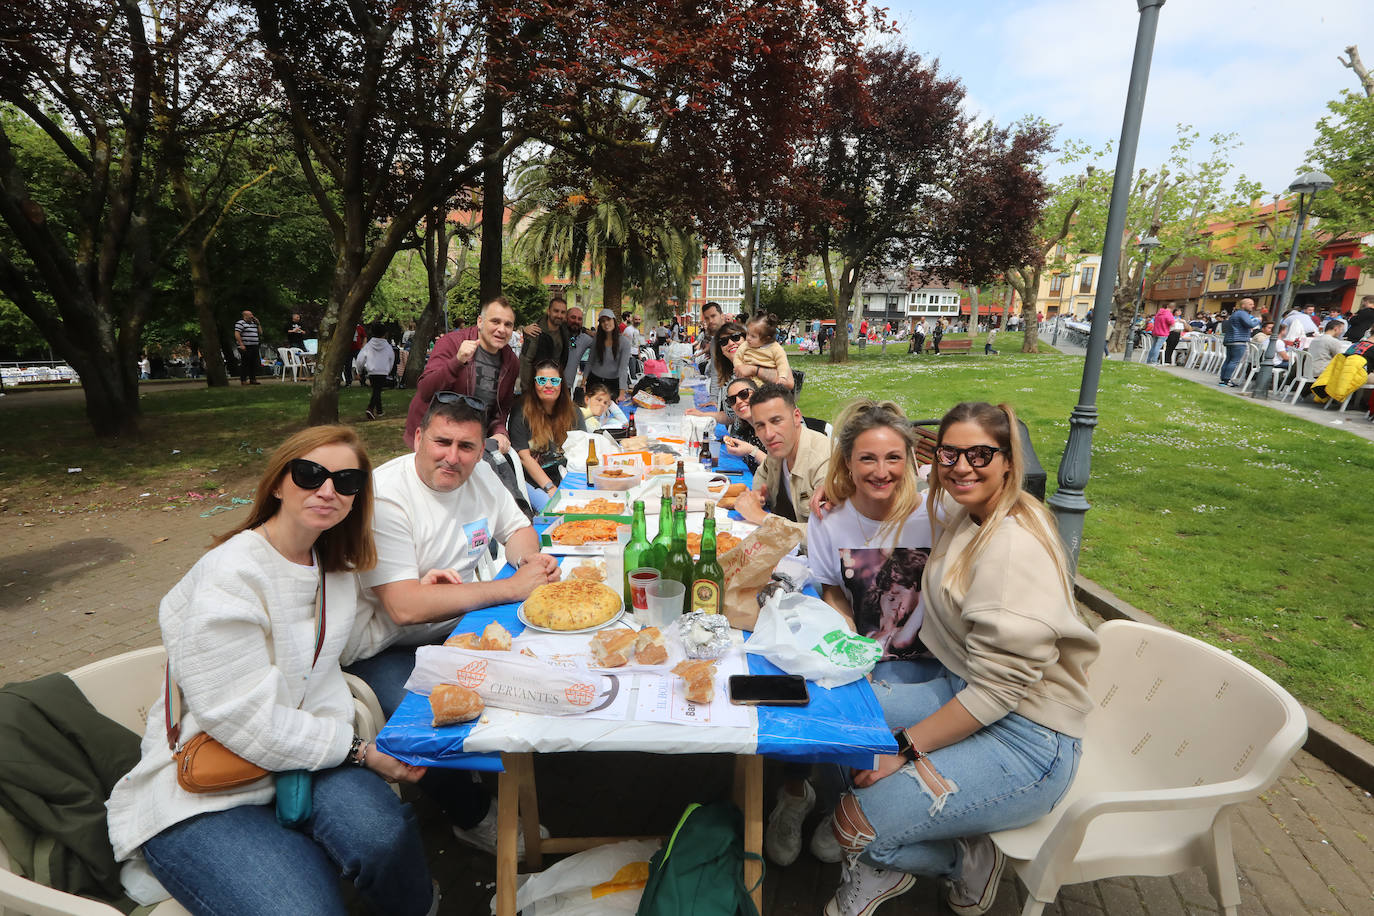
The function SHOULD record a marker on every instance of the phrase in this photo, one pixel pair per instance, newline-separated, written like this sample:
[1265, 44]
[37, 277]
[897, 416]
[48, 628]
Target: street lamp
[1067, 503]
[1306, 187]
[1146, 245]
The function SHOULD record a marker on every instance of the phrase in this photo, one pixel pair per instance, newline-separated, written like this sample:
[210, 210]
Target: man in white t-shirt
[1298, 324]
[437, 513]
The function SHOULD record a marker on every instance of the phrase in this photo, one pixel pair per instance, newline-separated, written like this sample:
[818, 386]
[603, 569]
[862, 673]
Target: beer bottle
[677, 567]
[638, 546]
[658, 550]
[630, 427]
[593, 464]
[707, 592]
[704, 454]
[680, 489]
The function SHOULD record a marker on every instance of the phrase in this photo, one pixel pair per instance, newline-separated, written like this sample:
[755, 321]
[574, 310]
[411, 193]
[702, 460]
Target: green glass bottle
[707, 591]
[637, 547]
[677, 567]
[663, 540]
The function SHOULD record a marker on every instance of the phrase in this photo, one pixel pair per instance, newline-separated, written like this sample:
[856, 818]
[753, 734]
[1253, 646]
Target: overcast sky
[1264, 69]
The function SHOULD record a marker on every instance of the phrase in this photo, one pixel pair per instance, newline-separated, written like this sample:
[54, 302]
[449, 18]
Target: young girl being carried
[762, 355]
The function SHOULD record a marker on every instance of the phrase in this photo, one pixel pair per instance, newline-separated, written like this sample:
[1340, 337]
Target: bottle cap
[710, 507]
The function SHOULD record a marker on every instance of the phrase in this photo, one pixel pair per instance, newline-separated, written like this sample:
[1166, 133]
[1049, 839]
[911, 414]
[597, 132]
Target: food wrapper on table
[749, 569]
[508, 680]
[704, 635]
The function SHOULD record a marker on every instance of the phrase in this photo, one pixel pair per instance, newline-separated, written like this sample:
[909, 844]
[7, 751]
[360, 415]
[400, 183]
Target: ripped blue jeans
[1004, 775]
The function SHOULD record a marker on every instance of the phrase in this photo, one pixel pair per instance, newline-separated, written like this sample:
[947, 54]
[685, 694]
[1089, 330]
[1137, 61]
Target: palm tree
[559, 229]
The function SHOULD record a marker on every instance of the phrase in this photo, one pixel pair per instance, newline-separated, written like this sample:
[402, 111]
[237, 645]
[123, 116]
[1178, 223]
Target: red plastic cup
[640, 580]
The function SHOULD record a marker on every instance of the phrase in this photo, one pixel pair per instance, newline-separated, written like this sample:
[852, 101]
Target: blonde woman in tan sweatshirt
[993, 741]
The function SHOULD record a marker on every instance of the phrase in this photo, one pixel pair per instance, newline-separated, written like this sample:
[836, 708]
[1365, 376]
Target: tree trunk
[839, 344]
[973, 312]
[746, 263]
[202, 292]
[1029, 325]
[613, 278]
[431, 319]
[493, 208]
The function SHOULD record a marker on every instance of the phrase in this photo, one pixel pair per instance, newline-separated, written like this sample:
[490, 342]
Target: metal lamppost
[1306, 187]
[1146, 245]
[1067, 503]
[1059, 310]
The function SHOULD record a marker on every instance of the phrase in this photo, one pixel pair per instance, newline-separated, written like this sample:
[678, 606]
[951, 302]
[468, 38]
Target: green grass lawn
[1227, 520]
[1224, 519]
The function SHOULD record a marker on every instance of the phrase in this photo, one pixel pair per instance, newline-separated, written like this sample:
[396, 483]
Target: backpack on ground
[700, 870]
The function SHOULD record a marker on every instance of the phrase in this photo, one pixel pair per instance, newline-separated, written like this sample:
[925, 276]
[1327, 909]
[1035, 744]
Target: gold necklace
[868, 538]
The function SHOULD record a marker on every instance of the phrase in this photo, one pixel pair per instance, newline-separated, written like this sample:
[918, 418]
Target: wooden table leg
[749, 796]
[507, 811]
[529, 815]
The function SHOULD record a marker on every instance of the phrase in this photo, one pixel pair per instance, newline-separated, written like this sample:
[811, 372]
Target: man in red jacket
[477, 362]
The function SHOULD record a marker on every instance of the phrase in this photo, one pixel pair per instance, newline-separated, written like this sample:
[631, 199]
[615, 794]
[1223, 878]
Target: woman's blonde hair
[857, 418]
[349, 544]
[1000, 423]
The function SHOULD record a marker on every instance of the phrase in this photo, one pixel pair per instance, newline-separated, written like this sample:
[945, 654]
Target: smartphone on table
[768, 690]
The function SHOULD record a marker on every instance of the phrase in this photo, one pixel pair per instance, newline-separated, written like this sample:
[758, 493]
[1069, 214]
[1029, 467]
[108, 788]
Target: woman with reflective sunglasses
[992, 741]
[253, 636]
[539, 424]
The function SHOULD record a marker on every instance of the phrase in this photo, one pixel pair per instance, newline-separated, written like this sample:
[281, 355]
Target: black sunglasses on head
[453, 397]
[979, 456]
[308, 475]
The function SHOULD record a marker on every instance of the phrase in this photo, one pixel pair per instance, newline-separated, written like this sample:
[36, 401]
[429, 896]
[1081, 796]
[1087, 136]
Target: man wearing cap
[609, 362]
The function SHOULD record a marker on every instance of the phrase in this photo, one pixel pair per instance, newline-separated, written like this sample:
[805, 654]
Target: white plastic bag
[601, 881]
[508, 680]
[804, 635]
[575, 448]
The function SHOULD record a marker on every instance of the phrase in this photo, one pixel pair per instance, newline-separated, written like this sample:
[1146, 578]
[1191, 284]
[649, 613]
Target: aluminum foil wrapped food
[704, 635]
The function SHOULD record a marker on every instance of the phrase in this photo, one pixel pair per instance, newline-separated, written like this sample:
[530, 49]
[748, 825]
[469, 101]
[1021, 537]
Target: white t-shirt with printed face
[881, 576]
[417, 530]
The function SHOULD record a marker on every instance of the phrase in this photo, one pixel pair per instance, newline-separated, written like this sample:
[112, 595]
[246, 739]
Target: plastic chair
[123, 688]
[1180, 732]
[1301, 377]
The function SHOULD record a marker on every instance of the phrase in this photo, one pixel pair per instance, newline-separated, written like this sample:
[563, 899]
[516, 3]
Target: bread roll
[495, 638]
[649, 647]
[463, 641]
[700, 677]
[612, 648]
[452, 704]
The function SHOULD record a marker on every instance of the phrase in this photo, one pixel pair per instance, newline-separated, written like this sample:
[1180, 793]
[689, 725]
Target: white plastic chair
[1301, 377]
[1180, 732]
[123, 688]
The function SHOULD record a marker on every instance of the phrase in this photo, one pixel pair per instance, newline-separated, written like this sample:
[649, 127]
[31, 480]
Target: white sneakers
[824, 846]
[483, 834]
[973, 890]
[782, 839]
[864, 888]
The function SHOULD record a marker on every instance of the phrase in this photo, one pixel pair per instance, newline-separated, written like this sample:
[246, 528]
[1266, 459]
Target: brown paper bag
[749, 567]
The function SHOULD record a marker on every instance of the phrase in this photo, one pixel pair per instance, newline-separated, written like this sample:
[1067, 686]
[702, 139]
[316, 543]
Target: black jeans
[611, 383]
[248, 363]
[378, 383]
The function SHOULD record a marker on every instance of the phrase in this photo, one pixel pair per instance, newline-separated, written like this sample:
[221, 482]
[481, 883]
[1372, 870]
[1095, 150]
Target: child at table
[600, 412]
[762, 355]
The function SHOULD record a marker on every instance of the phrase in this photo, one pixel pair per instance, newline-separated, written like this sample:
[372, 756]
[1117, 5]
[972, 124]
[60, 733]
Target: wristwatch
[357, 752]
[905, 747]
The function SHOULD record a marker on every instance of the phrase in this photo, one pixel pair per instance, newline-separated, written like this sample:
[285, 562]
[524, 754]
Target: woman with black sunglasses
[539, 425]
[253, 635]
[992, 740]
[741, 440]
[728, 339]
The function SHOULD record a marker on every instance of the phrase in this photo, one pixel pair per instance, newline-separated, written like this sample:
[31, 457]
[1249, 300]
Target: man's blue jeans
[1007, 774]
[1235, 352]
[463, 800]
[241, 862]
[1156, 346]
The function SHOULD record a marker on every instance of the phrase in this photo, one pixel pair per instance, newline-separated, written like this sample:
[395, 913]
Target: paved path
[1352, 420]
[74, 588]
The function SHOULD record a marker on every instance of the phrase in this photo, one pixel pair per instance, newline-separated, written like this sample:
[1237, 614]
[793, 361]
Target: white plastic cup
[641, 580]
[665, 601]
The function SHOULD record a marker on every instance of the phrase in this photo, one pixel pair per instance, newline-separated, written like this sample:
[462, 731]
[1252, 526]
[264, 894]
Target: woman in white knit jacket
[993, 740]
[240, 631]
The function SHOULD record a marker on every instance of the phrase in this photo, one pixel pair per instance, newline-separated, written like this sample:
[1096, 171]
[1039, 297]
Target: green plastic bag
[700, 870]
